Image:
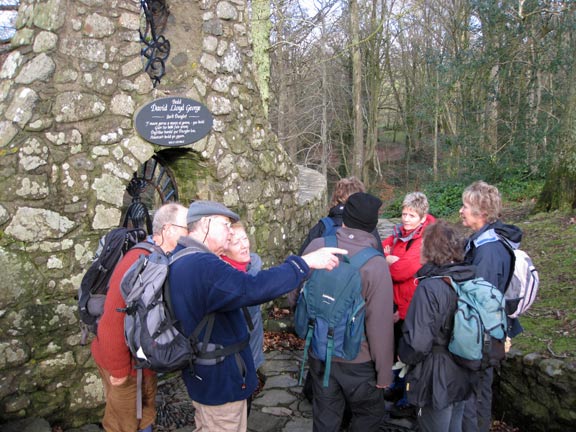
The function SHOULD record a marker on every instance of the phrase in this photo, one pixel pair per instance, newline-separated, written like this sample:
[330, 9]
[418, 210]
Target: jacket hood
[459, 272]
[495, 231]
[184, 242]
[255, 263]
[336, 211]
[510, 232]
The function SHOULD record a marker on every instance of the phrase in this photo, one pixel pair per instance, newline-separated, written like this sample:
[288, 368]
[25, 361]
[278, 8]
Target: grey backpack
[152, 333]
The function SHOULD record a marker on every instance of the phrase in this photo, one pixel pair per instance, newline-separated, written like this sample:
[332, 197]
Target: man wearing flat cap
[200, 284]
[358, 383]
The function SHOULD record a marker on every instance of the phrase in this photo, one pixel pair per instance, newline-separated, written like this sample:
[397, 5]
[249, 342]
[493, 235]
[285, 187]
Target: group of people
[408, 313]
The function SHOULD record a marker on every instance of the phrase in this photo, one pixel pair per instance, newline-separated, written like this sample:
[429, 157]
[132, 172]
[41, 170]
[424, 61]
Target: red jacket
[406, 246]
[109, 347]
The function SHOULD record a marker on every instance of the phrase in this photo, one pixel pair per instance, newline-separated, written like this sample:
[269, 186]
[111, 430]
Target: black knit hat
[361, 211]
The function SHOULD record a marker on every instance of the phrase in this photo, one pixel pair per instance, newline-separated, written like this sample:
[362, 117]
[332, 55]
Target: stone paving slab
[279, 407]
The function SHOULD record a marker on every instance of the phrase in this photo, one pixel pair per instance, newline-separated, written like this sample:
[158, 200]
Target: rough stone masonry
[69, 90]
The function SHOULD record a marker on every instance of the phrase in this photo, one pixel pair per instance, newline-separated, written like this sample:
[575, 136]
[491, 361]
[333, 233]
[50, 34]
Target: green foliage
[445, 197]
[519, 189]
[393, 208]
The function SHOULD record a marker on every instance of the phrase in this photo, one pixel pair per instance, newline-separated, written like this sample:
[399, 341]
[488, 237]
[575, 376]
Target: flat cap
[200, 209]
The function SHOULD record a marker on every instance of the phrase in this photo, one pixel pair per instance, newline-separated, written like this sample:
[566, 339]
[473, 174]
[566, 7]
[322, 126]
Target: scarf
[236, 264]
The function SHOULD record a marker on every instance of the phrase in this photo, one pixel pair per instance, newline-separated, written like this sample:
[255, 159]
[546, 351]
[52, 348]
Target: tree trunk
[436, 115]
[559, 192]
[261, 26]
[373, 82]
[358, 146]
[324, 122]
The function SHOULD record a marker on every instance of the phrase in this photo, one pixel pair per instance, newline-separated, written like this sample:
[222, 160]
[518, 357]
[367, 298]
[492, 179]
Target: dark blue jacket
[202, 283]
[493, 260]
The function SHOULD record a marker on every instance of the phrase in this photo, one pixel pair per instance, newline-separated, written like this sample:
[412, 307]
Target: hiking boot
[393, 393]
[403, 409]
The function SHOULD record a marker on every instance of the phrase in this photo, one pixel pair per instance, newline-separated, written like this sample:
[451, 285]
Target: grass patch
[550, 325]
[387, 136]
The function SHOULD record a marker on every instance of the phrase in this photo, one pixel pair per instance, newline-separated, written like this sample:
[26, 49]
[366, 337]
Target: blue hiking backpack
[329, 226]
[479, 333]
[330, 312]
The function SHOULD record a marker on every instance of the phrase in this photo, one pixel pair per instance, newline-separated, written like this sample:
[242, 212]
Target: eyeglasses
[179, 226]
[226, 224]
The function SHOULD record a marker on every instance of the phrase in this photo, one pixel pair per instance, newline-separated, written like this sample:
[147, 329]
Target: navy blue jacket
[202, 283]
[493, 260]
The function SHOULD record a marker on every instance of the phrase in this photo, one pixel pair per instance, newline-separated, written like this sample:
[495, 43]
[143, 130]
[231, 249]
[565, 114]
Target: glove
[401, 367]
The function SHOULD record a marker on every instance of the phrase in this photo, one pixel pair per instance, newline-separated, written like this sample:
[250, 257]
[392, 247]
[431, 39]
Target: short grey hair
[168, 214]
[416, 201]
[192, 225]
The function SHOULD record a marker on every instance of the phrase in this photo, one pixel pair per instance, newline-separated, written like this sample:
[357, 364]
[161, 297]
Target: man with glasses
[201, 283]
[109, 348]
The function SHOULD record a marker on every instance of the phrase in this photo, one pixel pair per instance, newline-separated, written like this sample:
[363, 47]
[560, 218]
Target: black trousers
[352, 384]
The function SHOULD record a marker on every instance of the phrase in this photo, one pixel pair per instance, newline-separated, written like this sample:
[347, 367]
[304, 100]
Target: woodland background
[419, 94]
[407, 95]
[427, 95]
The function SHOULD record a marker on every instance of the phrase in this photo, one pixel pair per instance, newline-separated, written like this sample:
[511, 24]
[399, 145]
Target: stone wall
[68, 94]
[535, 393]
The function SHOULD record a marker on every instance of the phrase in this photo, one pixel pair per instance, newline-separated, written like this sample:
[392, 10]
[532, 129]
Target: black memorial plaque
[173, 121]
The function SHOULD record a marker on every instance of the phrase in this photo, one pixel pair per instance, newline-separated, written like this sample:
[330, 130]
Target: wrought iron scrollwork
[137, 215]
[152, 185]
[157, 47]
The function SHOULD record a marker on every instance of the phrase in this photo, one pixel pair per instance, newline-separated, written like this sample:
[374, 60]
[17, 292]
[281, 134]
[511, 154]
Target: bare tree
[261, 41]
[358, 152]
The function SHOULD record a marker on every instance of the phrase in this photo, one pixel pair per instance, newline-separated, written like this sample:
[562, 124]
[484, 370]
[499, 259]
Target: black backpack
[94, 286]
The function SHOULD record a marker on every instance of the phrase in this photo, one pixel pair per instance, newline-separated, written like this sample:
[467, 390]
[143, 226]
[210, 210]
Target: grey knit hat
[200, 209]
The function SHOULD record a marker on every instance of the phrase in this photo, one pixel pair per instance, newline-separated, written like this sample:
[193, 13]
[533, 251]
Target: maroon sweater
[109, 347]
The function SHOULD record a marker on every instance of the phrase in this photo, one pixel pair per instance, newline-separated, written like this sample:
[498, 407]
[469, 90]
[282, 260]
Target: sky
[7, 19]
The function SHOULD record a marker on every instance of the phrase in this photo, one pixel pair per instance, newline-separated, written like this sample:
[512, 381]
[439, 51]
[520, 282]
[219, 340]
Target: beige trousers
[230, 417]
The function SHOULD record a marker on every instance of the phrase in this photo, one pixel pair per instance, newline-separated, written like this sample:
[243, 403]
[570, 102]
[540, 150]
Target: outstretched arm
[324, 258]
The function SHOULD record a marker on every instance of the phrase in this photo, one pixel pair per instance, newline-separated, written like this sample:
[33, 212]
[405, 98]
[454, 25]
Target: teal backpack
[330, 312]
[477, 341]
